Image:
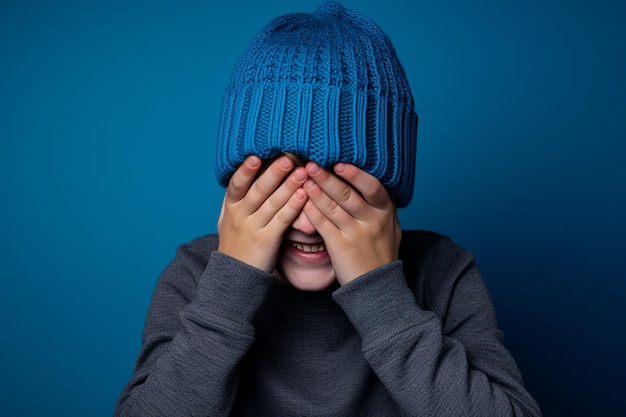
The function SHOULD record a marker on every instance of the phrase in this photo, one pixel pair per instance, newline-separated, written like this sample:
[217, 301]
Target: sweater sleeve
[450, 362]
[198, 327]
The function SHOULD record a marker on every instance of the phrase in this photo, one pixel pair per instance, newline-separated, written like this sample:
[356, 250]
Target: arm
[448, 363]
[200, 321]
[194, 338]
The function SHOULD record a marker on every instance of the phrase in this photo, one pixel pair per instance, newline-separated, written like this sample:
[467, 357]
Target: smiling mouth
[318, 247]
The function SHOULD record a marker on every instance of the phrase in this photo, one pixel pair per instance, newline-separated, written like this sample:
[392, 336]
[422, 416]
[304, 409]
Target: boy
[311, 300]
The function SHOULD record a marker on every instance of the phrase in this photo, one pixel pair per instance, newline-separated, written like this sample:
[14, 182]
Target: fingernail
[253, 161]
[300, 194]
[299, 174]
[314, 169]
[340, 168]
[285, 163]
[309, 185]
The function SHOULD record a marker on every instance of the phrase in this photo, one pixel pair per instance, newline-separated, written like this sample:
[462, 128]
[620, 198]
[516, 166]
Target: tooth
[319, 247]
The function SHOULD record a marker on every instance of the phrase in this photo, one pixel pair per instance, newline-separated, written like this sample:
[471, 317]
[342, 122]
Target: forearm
[427, 371]
[192, 368]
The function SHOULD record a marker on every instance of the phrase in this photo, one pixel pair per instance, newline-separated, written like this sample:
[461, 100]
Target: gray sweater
[417, 337]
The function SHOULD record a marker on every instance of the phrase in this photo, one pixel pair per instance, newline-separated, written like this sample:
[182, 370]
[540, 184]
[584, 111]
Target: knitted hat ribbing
[327, 86]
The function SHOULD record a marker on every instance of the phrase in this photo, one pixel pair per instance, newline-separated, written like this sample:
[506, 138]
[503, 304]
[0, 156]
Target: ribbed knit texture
[327, 86]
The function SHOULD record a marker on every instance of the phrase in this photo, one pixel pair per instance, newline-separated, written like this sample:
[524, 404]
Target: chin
[311, 286]
[309, 280]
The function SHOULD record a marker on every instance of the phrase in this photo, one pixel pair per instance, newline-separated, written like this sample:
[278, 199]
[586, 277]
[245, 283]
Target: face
[303, 260]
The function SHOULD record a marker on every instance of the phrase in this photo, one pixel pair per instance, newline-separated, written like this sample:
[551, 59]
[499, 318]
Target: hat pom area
[330, 9]
[327, 86]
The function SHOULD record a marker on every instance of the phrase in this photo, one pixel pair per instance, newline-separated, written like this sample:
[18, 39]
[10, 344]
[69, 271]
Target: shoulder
[433, 263]
[436, 249]
[191, 258]
[421, 240]
[201, 246]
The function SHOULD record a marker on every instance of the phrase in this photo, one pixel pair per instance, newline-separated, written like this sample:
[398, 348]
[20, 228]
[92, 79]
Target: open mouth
[304, 247]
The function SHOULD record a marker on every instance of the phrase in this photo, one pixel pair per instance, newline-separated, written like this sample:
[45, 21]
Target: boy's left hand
[357, 219]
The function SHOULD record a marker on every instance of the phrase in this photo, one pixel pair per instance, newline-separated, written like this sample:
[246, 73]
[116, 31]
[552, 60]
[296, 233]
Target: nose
[303, 224]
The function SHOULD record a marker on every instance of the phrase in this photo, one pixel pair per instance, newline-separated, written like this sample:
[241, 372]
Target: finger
[288, 212]
[326, 228]
[267, 183]
[242, 179]
[328, 207]
[366, 184]
[339, 191]
[275, 202]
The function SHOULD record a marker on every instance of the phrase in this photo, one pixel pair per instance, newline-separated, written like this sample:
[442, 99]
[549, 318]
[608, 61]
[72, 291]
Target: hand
[256, 213]
[356, 218]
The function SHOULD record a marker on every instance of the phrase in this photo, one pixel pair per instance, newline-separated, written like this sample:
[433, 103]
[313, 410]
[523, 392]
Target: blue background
[108, 117]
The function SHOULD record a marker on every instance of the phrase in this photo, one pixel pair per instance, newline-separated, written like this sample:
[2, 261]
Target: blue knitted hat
[327, 86]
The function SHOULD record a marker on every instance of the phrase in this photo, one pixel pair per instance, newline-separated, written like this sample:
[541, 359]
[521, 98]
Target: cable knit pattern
[327, 86]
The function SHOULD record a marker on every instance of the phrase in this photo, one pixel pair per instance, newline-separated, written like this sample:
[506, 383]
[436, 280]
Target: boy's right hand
[256, 213]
